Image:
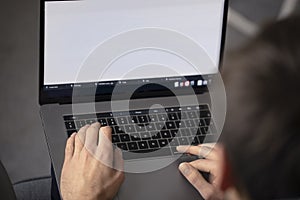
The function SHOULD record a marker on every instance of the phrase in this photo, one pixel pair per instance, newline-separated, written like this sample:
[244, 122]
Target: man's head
[261, 136]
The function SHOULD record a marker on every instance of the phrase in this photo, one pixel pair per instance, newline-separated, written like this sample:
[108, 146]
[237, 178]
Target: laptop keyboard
[154, 132]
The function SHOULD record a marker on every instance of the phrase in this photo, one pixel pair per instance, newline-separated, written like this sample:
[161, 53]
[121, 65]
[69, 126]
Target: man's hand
[84, 175]
[210, 164]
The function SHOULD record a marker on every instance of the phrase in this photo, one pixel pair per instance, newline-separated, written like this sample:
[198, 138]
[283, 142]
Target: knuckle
[68, 146]
[194, 178]
[122, 176]
[106, 129]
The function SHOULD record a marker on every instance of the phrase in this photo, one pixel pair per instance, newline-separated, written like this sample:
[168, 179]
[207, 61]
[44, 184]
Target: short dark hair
[262, 128]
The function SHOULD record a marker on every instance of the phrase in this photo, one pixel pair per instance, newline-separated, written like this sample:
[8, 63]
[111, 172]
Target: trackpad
[166, 183]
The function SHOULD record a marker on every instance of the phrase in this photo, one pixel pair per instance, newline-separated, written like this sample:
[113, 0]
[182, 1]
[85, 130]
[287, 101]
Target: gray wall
[23, 149]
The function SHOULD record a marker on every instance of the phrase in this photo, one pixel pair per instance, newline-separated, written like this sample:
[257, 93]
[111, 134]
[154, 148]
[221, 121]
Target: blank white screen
[74, 28]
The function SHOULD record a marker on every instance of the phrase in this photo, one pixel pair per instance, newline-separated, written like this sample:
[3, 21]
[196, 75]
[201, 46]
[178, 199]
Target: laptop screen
[117, 37]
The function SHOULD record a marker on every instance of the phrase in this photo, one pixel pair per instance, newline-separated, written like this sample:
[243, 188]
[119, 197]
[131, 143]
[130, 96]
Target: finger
[81, 133]
[92, 137]
[197, 180]
[106, 130]
[215, 146]
[105, 147]
[79, 140]
[211, 145]
[69, 150]
[201, 151]
[204, 165]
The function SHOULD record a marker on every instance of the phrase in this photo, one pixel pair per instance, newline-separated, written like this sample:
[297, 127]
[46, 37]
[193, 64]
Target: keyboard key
[70, 125]
[134, 119]
[200, 138]
[196, 122]
[153, 118]
[183, 115]
[162, 117]
[189, 108]
[90, 121]
[124, 138]
[172, 116]
[70, 118]
[204, 130]
[165, 134]
[195, 141]
[145, 135]
[102, 121]
[207, 121]
[80, 124]
[115, 138]
[192, 114]
[190, 139]
[162, 142]
[201, 123]
[118, 129]
[122, 120]
[143, 145]
[139, 112]
[170, 125]
[160, 125]
[102, 115]
[132, 146]
[174, 142]
[122, 146]
[129, 129]
[190, 123]
[184, 132]
[143, 119]
[173, 109]
[179, 124]
[174, 132]
[150, 127]
[111, 122]
[140, 128]
[135, 137]
[183, 141]
[153, 144]
[155, 135]
[204, 114]
[203, 107]
[156, 111]
[194, 131]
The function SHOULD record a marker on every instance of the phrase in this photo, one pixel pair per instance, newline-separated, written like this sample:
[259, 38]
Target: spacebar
[146, 153]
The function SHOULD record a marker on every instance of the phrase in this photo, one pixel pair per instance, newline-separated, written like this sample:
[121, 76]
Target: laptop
[146, 69]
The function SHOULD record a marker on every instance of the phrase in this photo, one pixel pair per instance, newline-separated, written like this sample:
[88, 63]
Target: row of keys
[144, 119]
[155, 144]
[142, 126]
[139, 112]
[165, 134]
[139, 119]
